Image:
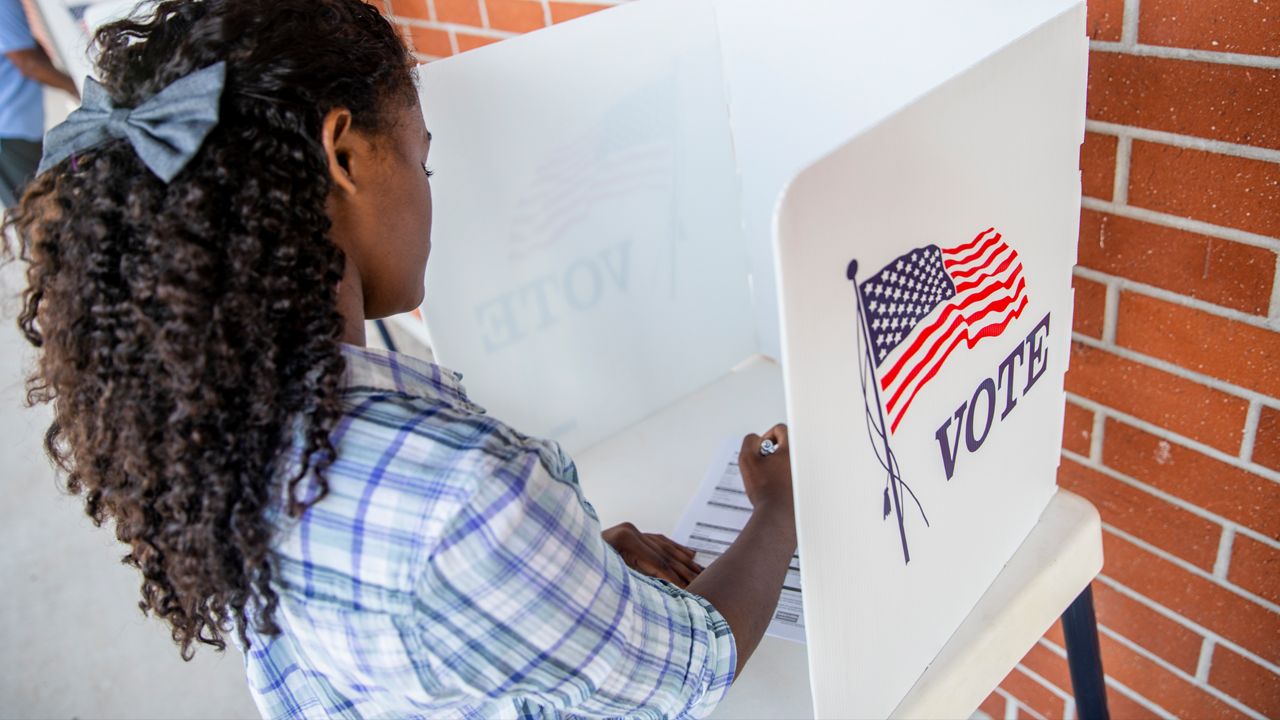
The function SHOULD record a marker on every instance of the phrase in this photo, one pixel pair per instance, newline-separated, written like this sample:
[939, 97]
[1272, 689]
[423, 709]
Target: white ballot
[715, 518]
[881, 196]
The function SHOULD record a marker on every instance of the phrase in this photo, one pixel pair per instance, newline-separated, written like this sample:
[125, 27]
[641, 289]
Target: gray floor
[74, 643]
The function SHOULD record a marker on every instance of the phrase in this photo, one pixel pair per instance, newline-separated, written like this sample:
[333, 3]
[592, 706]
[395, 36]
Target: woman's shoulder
[412, 451]
[433, 435]
[406, 466]
[422, 409]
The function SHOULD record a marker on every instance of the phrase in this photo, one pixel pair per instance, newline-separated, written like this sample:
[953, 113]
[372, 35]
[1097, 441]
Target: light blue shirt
[455, 571]
[21, 100]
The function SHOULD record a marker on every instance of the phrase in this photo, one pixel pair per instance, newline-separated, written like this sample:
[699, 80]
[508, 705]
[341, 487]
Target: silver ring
[768, 447]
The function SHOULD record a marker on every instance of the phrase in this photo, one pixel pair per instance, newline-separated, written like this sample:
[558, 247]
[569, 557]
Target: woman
[206, 238]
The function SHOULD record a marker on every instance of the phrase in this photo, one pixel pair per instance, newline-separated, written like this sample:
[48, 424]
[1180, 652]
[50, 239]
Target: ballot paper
[712, 522]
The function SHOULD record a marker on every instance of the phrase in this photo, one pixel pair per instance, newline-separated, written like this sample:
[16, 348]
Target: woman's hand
[746, 579]
[767, 478]
[653, 554]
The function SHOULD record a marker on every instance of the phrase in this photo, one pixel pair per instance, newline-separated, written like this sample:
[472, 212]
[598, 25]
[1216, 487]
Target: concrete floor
[74, 643]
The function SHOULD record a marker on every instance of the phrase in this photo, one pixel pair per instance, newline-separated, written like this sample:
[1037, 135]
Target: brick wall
[440, 28]
[1173, 414]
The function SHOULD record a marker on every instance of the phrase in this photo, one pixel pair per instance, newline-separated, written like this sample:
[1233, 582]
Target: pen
[768, 447]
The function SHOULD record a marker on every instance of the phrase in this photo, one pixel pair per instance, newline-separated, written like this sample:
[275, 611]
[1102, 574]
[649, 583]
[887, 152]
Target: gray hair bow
[166, 130]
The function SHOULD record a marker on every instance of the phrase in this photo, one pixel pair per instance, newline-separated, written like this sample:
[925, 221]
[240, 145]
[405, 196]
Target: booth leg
[1084, 658]
[386, 335]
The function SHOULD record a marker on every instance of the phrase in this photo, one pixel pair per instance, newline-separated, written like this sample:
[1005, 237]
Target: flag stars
[901, 295]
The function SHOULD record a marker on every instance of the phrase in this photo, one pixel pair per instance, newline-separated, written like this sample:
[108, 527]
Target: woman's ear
[339, 146]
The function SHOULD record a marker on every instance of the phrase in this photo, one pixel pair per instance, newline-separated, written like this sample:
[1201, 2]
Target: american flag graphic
[923, 305]
[911, 315]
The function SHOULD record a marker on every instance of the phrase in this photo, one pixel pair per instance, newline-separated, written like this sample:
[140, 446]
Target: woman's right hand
[767, 478]
[744, 583]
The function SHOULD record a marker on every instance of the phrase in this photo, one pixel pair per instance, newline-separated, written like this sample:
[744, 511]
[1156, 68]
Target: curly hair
[189, 331]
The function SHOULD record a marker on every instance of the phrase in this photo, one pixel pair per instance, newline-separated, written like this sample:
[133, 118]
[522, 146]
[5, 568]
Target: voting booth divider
[676, 221]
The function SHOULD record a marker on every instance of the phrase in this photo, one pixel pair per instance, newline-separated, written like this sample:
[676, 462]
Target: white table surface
[649, 473]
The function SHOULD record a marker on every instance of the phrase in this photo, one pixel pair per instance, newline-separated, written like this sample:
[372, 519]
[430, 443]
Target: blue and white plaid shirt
[455, 570]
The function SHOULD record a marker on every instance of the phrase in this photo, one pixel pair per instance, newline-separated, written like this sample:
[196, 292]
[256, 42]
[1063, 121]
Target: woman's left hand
[653, 554]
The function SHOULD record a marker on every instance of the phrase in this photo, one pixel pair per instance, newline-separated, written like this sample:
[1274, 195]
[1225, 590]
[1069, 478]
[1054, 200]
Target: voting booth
[677, 221]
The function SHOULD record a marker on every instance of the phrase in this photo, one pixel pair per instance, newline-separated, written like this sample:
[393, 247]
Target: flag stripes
[990, 293]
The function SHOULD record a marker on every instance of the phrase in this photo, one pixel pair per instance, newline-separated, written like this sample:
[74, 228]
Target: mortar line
[1120, 185]
[1182, 223]
[1205, 660]
[1251, 420]
[459, 27]
[1139, 698]
[1173, 53]
[1115, 685]
[1274, 314]
[1096, 436]
[1110, 314]
[1043, 681]
[1191, 142]
[1010, 704]
[1163, 434]
[1171, 368]
[1170, 296]
[1129, 24]
[1166, 665]
[1169, 614]
[1222, 563]
[1187, 623]
[1174, 500]
[1025, 708]
[1192, 568]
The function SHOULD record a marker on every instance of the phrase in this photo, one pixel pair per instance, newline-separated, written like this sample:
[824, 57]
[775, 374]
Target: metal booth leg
[386, 335]
[1084, 658]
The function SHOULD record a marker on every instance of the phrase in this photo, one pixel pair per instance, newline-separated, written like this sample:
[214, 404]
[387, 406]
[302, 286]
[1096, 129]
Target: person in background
[24, 66]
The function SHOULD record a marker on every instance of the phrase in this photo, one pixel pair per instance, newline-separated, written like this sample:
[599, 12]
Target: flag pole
[889, 462]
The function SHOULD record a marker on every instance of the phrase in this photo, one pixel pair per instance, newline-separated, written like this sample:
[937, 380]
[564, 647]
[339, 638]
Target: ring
[768, 447]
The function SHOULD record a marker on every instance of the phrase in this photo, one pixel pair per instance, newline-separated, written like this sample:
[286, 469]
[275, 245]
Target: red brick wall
[1173, 426]
[440, 28]
[1173, 419]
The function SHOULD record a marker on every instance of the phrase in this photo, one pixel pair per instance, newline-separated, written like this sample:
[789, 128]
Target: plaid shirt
[455, 570]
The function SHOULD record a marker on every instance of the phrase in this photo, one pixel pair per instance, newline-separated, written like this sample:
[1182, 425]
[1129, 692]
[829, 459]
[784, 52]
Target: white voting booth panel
[652, 231]
[852, 64]
[975, 452]
[587, 267]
